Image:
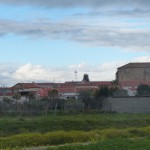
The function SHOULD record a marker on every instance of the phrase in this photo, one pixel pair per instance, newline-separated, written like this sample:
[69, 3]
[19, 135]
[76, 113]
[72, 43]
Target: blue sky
[47, 40]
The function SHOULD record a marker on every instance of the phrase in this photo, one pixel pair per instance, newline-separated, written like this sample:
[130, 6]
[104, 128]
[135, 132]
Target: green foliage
[16, 96]
[143, 90]
[7, 100]
[87, 98]
[40, 131]
[115, 83]
[53, 93]
[101, 94]
[31, 95]
[121, 93]
[110, 144]
[85, 78]
[80, 122]
[73, 106]
[139, 132]
[66, 137]
[33, 106]
[51, 138]
[104, 91]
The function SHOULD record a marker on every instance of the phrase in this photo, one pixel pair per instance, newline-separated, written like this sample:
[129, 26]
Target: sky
[47, 40]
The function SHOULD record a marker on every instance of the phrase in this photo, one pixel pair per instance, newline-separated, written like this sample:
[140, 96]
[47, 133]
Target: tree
[53, 93]
[115, 83]
[31, 95]
[143, 90]
[7, 104]
[85, 78]
[53, 97]
[101, 94]
[120, 92]
[17, 97]
[87, 98]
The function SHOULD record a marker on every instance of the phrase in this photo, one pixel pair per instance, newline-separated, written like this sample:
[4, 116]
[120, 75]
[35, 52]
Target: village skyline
[75, 74]
[46, 41]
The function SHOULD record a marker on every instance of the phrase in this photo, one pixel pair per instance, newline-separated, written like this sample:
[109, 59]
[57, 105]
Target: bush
[51, 138]
[115, 133]
[138, 132]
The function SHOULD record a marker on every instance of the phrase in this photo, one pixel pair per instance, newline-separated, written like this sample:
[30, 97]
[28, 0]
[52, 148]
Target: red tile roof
[48, 84]
[67, 87]
[78, 84]
[85, 89]
[96, 83]
[44, 91]
[66, 90]
[26, 85]
[133, 83]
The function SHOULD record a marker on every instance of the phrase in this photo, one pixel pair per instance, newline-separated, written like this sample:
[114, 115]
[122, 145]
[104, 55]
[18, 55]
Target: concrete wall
[133, 74]
[127, 105]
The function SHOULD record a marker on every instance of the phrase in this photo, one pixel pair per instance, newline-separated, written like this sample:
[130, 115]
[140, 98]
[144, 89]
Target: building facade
[131, 75]
[133, 72]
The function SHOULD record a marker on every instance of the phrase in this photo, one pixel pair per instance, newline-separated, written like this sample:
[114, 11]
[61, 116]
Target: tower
[75, 72]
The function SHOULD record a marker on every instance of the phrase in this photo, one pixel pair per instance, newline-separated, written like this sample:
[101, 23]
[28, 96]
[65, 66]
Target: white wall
[127, 105]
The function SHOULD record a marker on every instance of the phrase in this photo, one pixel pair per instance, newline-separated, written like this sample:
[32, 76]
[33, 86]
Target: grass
[65, 137]
[14, 125]
[81, 128]
[110, 144]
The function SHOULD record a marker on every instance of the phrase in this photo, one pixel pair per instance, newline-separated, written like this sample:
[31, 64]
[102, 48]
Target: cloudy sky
[47, 40]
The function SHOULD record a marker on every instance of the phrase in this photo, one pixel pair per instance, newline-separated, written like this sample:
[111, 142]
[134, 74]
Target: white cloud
[126, 36]
[37, 73]
[29, 73]
[142, 59]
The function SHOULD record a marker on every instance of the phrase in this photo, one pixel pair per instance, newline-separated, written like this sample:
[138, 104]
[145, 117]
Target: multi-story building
[131, 75]
[134, 72]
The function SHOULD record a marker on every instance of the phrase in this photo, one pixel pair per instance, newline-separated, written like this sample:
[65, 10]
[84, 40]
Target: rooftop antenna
[75, 72]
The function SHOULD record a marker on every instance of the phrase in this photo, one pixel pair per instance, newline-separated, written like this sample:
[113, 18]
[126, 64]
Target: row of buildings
[67, 90]
[128, 78]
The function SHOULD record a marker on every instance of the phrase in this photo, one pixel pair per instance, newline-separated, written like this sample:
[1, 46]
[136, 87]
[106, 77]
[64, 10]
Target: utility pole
[3, 89]
[75, 72]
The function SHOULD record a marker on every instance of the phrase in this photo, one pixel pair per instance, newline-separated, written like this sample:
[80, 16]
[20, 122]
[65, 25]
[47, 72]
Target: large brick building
[131, 75]
[134, 72]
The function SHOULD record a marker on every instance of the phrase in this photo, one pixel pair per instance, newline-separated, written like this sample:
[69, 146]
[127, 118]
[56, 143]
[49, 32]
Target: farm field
[92, 130]
[110, 144]
[107, 144]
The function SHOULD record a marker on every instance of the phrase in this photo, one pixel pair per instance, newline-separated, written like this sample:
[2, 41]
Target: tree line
[96, 99]
[87, 100]
[143, 90]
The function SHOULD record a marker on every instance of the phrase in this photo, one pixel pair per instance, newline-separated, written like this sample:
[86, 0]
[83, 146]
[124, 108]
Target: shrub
[138, 132]
[51, 138]
[115, 133]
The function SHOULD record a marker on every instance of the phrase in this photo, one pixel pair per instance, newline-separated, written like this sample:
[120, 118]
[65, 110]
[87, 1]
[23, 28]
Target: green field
[110, 144]
[91, 130]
